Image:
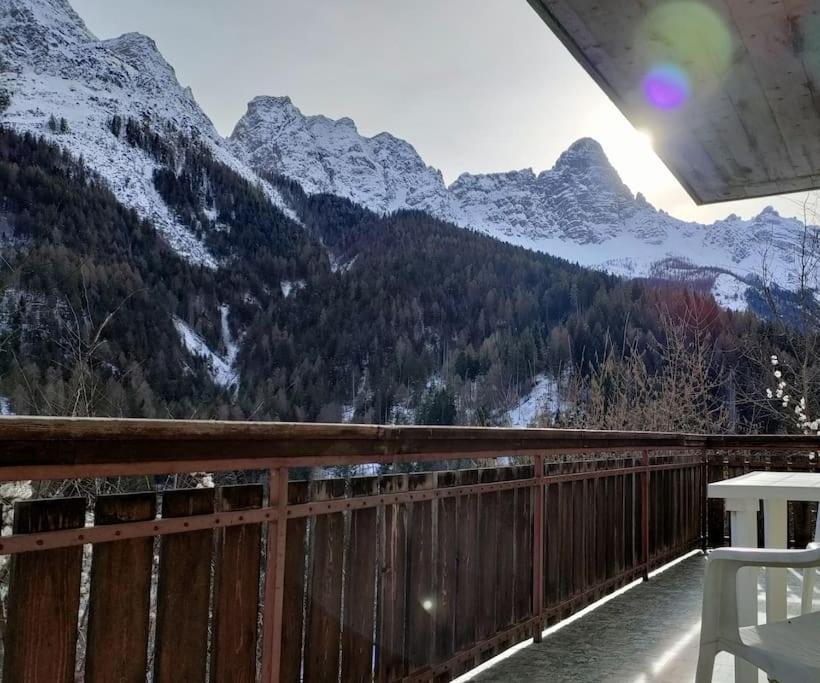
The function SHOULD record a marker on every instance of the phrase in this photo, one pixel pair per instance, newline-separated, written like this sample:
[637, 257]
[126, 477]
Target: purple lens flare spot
[666, 87]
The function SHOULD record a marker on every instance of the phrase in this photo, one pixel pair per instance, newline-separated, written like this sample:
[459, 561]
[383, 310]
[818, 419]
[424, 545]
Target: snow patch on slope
[541, 399]
[289, 286]
[220, 367]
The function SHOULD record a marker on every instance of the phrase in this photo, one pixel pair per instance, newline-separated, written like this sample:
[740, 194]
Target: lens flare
[688, 50]
[666, 87]
[689, 34]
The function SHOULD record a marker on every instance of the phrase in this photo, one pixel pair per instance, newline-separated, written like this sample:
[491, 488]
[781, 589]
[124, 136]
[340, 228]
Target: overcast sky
[474, 85]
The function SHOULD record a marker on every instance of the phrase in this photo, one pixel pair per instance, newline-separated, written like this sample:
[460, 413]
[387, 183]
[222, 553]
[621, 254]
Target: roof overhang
[737, 112]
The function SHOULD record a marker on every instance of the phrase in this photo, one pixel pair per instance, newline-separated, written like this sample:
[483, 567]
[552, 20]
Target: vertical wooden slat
[44, 597]
[552, 545]
[468, 553]
[629, 519]
[183, 591]
[505, 588]
[596, 534]
[538, 546]
[420, 597]
[566, 548]
[645, 512]
[578, 533]
[620, 560]
[392, 653]
[444, 609]
[236, 589]
[120, 597]
[523, 547]
[293, 617]
[360, 586]
[323, 628]
[590, 533]
[488, 564]
[612, 523]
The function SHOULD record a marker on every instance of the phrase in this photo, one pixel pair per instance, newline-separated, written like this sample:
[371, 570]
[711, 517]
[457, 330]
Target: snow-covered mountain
[53, 66]
[382, 173]
[579, 209]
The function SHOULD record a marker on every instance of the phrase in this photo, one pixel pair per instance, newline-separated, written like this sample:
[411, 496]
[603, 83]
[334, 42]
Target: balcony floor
[647, 634]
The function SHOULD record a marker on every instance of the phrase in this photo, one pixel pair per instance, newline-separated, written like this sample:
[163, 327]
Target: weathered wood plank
[445, 567]
[552, 547]
[42, 448]
[420, 596]
[183, 591]
[392, 652]
[237, 571]
[505, 589]
[120, 597]
[44, 597]
[324, 603]
[488, 565]
[360, 587]
[523, 546]
[468, 555]
[293, 617]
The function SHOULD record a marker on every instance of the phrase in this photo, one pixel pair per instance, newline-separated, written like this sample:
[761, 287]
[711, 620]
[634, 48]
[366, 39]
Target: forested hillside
[346, 315]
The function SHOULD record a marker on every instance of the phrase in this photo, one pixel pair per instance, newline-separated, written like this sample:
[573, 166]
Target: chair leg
[706, 662]
[808, 590]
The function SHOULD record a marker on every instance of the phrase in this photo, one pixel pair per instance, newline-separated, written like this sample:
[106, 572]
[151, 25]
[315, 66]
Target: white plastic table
[743, 495]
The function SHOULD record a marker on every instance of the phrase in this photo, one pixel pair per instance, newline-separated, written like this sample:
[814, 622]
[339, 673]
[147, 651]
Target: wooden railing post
[645, 514]
[274, 576]
[538, 548]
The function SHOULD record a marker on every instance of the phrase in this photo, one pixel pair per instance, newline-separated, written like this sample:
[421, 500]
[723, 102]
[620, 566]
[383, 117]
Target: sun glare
[645, 139]
[632, 155]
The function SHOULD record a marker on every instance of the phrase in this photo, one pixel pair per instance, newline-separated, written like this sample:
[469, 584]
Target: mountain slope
[579, 209]
[115, 191]
[421, 313]
[56, 70]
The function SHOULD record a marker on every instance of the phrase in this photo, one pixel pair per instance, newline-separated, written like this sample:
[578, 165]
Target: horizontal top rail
[50, 447]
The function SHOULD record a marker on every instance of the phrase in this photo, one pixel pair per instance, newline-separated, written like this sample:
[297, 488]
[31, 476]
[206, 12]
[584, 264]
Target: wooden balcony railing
[411, 576]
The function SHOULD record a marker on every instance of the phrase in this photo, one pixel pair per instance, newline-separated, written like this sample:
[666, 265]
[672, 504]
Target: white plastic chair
[788, 651]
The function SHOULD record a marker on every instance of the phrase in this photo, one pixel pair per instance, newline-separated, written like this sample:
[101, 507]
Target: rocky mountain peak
[585, 162]
[141, 53]
[41, 32]
[383, 173]
[769, 212]
[581, 154]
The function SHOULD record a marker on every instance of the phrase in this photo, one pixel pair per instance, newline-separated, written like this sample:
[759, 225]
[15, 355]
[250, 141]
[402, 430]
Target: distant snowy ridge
[382, 173]
[580, 209]
[54, 66]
